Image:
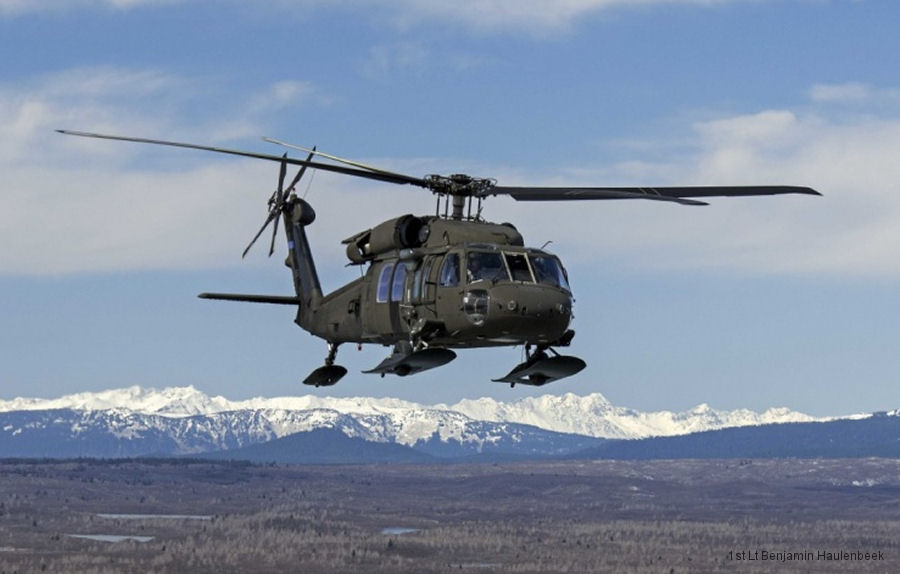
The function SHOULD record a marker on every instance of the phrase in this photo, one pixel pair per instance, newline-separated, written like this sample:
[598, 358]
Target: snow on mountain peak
[591, 415]
[171, 401]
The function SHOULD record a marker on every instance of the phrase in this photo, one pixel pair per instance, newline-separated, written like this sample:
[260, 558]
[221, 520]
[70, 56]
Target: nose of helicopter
[532, 313]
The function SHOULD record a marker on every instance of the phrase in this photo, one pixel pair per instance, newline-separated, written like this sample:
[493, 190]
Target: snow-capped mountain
[185, 421]
[593, 415]
[590, 415]
[136, 422]
[171, 401]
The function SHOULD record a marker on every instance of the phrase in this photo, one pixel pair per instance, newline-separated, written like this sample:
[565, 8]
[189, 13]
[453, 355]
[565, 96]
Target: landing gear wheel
[329, 374]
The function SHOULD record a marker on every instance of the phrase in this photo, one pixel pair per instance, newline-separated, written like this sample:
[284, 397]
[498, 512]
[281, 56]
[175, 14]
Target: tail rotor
[277, 203]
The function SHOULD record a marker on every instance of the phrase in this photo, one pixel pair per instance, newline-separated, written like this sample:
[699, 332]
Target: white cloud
[761, 128]
[530, 16]
[19, 7]
[854, 230]
[850, 91]
[281, 95]
[72, 205]
[67, 220]
[99, 97]
[384, 59]
[857, 96]
[147, 102]
[516, 15]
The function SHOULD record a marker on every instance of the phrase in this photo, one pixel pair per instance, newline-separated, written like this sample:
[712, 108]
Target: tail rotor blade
[277, 204]
[282, 172]
[274, 233]
[272, 215]
[300, 173]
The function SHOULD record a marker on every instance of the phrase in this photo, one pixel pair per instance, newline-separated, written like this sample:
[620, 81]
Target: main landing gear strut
[538, 369]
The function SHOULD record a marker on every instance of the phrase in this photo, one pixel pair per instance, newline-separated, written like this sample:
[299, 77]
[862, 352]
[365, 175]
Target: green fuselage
[456, 295]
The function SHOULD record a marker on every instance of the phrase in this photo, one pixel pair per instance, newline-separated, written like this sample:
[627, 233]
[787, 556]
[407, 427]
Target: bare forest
[168, 515]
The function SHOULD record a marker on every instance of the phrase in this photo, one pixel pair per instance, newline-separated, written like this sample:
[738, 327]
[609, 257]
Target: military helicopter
[438, 282]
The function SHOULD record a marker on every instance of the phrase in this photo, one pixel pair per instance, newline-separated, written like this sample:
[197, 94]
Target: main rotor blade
[572, 193]
[731, 190]
[331, 157]
[388, 177]
[676, 194]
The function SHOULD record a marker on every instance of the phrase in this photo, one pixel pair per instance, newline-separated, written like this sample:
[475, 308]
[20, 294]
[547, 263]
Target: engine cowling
[404, 232]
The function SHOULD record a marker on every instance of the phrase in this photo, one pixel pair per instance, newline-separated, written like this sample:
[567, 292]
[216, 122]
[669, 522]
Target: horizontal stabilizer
[273, 299]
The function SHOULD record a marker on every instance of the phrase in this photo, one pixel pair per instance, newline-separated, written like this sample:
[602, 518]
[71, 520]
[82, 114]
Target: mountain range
[181, 421]
[590, 415]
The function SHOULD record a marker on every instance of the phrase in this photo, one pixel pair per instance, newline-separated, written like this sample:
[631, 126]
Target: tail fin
[306, 281]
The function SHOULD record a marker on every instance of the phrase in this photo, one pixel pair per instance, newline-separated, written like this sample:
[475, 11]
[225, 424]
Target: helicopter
[434, 283]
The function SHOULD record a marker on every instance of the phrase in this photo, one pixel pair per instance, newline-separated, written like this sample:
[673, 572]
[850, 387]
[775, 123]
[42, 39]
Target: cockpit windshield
[516, 266]
[548, 271]
[485, 266]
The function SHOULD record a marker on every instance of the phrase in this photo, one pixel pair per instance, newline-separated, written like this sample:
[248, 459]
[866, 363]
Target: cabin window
[384, 283]
[485, 266]
[547, 270]
[399, 282]
[450, 271]
[518, 267]
[418, 288]
[415, 286]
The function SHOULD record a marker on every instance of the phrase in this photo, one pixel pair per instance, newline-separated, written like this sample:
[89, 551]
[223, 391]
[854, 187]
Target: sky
[746, 303]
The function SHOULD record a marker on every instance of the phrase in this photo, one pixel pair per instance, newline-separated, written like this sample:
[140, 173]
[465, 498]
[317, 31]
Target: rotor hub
[460, 184]
[460, 187]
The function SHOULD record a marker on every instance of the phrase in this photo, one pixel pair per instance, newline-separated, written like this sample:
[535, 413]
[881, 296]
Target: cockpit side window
[547, 270]
[485, 266]
[384, 283]
[518, 267]
[450, 271]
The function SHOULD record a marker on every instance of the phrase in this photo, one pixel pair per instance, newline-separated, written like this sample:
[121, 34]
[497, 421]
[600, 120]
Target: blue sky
[759, 302]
